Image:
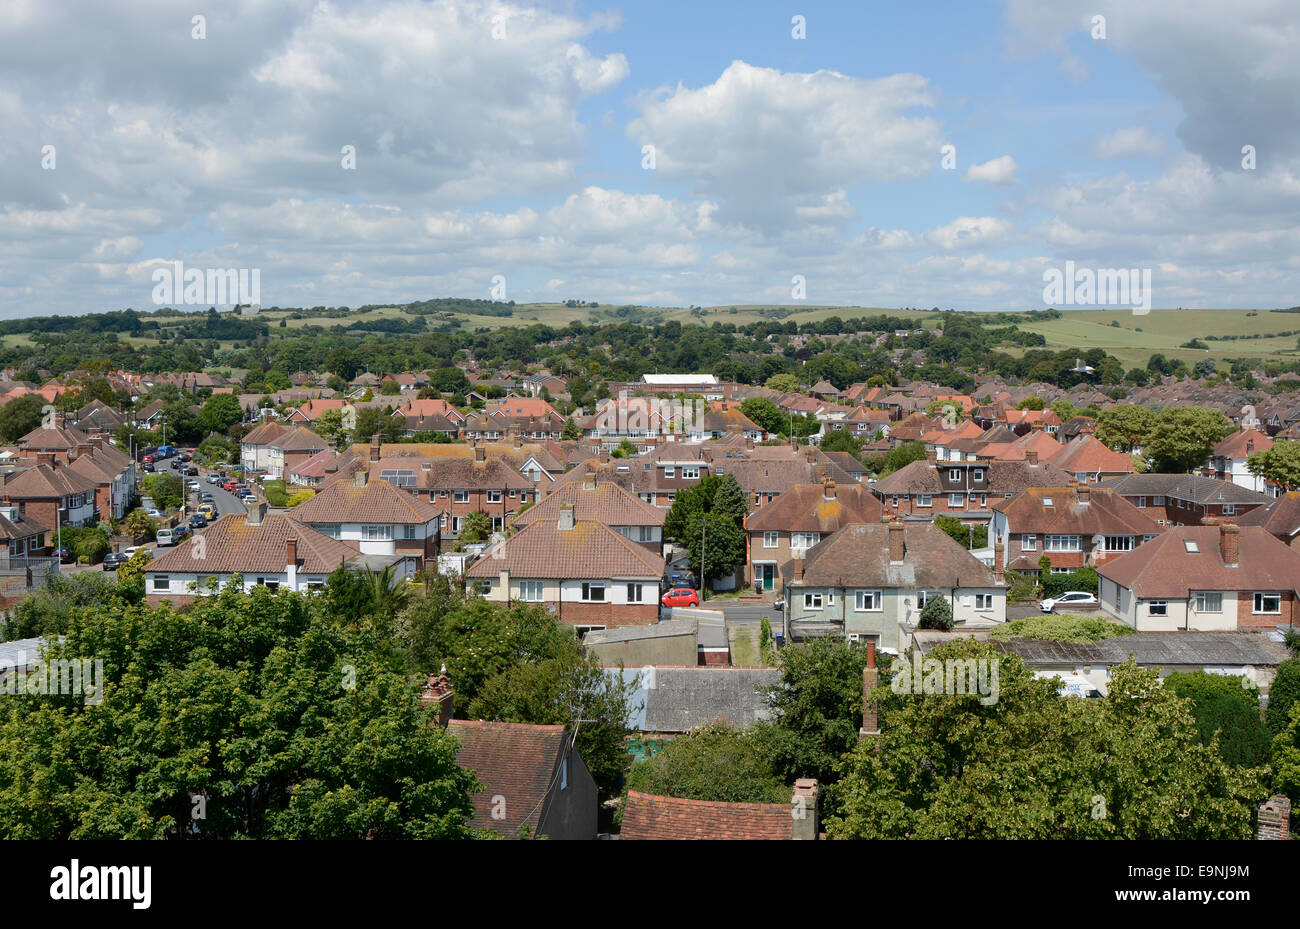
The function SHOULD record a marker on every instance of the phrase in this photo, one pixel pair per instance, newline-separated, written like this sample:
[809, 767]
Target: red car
[680, 596]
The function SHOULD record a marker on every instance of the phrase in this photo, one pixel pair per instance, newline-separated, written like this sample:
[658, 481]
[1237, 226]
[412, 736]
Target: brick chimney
[439, 692]
[749, 443]
[480, 454]
[999, 561]
[255, 511]
[45, 458]
[897, 547]
[798, 569]
[804, 808]
[1274, 818]
[360, 478]
[1031, 455]
[1250, 446]
[811, 454]
[589, 481]
[566, 517]
[870, 678]
[1228, 544]
[828, 489]
[1083, 495]
[291, 551]
[375, 447]
[931, 456]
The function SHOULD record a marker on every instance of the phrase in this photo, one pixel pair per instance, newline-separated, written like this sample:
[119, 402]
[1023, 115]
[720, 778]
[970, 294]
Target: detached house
[1204, 578]
[1072, 526]
[1227, 461]
[374, 519]
[870, 582]
[797, 520]
[584, 572]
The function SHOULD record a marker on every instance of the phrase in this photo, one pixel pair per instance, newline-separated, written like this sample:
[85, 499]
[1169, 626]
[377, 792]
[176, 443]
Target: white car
[155, 513]
[1068, 599]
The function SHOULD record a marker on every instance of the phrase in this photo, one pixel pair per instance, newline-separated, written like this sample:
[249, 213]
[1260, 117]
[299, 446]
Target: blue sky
[519, 156]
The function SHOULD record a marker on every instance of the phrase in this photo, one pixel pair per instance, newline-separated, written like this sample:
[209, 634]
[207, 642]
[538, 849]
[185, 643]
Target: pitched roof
[1164, 567]
[858, 556]
[231, 545]
[48, 438]
[21, 528]
[516, 761]
[647, 816]
[1088, 453]
[43, 481]
[1004, 477]
[590, 550]
[1065, 510]
[806, 508]
[377, 502]
[1281, 517]
[1242, 443]
[1195, 487]
[607, 502]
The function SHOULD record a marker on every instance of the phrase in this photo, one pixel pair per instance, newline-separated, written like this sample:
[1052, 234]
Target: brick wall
[606, 614]
[1248, 619]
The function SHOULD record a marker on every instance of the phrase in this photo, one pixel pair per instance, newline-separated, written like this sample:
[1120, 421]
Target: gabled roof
[647, 816]
[1242, 444]
[516, 761]
[1074, 511]
[1281, 517]
[1088, 453]
[1164, 567]
[1194, 487]
[378, 502]
[231, 545]
[53, 438]
[21, 528]
[806, 508]
[42, 481]
[589, 551]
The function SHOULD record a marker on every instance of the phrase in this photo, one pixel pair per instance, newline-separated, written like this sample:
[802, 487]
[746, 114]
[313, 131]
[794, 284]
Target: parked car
[165, 537]
[155, 513]
[129, 553]
[148, 466]
[147, 459]
[249, 498]
[181, 532]
[198, 520]
[1067, 599]
[65, 555]
[213, 478]
[208, 510]
[114, 560]
[680, 596]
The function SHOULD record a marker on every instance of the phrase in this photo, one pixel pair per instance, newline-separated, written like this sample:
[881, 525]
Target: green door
[769, 576]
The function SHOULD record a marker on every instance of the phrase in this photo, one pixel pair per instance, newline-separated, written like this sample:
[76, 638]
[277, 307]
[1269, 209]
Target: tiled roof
[454, 473]
[231, 545]
[42, 481]
[1241, 444]
[1281, 517]
[1104, 512]
[590, 550]
[1088, 453]
[377, 502]
[858, 556]
[511, 760]
[1004, 477]
[607, 502]
[646, 816]
[1194, 487]
[265, 434]
[805, 508]
[25, 527]
[1164, 567]
[48, 438]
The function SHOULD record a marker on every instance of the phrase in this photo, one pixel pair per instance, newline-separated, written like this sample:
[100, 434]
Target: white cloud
[969, 232]
[999, 172]
[1125, 143]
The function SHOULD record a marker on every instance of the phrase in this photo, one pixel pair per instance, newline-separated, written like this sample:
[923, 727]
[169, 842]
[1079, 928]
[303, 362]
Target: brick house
[1202, 579]
[964, 490]
[1186, 499]
[1281, 518]
[50, 494]
[374, 519]
[605, 502]
[1072, 526]
[796, 521]
[584, 572]
[650, 816]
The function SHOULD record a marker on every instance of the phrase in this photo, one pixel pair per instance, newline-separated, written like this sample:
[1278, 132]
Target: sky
[659, 153]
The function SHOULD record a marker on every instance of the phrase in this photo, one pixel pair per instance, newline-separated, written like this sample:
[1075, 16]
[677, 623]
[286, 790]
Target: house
[274, 551]
[96, 418]
[1089, 460]
[1186, 499]
[22, 541]
[275, 450]
[584, 572]
[648, 816]
[605, 502]
[1227, 461]
[670, 701]
[374, 519]
[1204, 578]
[150, 416]
[797, 520]
[965, 490]
[1072, 526]
[1281, 518]
[50, 494]
[870, 581]
[535, 782]
[311, 411]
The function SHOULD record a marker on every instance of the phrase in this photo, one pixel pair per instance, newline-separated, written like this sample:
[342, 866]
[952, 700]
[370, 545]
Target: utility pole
[704, 525]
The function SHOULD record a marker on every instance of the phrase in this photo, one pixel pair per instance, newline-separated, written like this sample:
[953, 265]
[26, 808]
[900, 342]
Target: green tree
[962, 533]
[841, 440]
[571, 432]
[1280, 463]
[1033, 402]
[782, 383]
[221, 411]
[1183, 436]
[937, 614]
[1032, 764]
[166, 490]
[715, 762]
[331, 427]
[1283, 693]
[1227, 715]
[765, 414]
[390, 388]
[19, 417]
[1286, 757]
[1125, 426]
[475, 527]
[373, 421]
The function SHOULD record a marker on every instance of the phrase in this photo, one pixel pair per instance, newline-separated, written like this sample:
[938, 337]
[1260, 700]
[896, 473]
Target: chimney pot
[805, 804]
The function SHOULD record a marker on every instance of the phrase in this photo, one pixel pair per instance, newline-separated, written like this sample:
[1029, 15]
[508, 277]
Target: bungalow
[870, 582]
[1203, 579]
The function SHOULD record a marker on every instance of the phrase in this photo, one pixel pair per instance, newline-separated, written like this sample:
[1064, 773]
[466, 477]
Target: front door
[769, 575]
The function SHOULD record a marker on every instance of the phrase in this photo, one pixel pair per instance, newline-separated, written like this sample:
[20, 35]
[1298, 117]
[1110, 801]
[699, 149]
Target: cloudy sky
[657, 152]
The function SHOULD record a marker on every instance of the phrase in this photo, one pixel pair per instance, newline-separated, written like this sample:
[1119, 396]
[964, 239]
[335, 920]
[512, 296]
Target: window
[329, 529]
[1157, 608]
[1268, 603]
[1229, 509]
[1062, 543]
[1029, 543]
[583, 630]
[379, 533]
[1157, 501]
[924, 499]
[954, 474]
[670, 472]
[494, 496]
[460, 496]
[690, 474]
[770, 539]
[1047, 501]
[634, 594]
[161, 582]
[983, 601]
[498, 523]
[867, 601]
[645, 533]
[483, 587]
[531, 591]
[804, 539]
[408, 531]
[956, 500]
[812, 601]
[315, 585]
[979, 474]
[1207, 602]
[593, 593]
[1119, 543]
[272, 585]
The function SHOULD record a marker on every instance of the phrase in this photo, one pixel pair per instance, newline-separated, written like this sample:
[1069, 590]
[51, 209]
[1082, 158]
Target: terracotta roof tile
[647, 816]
